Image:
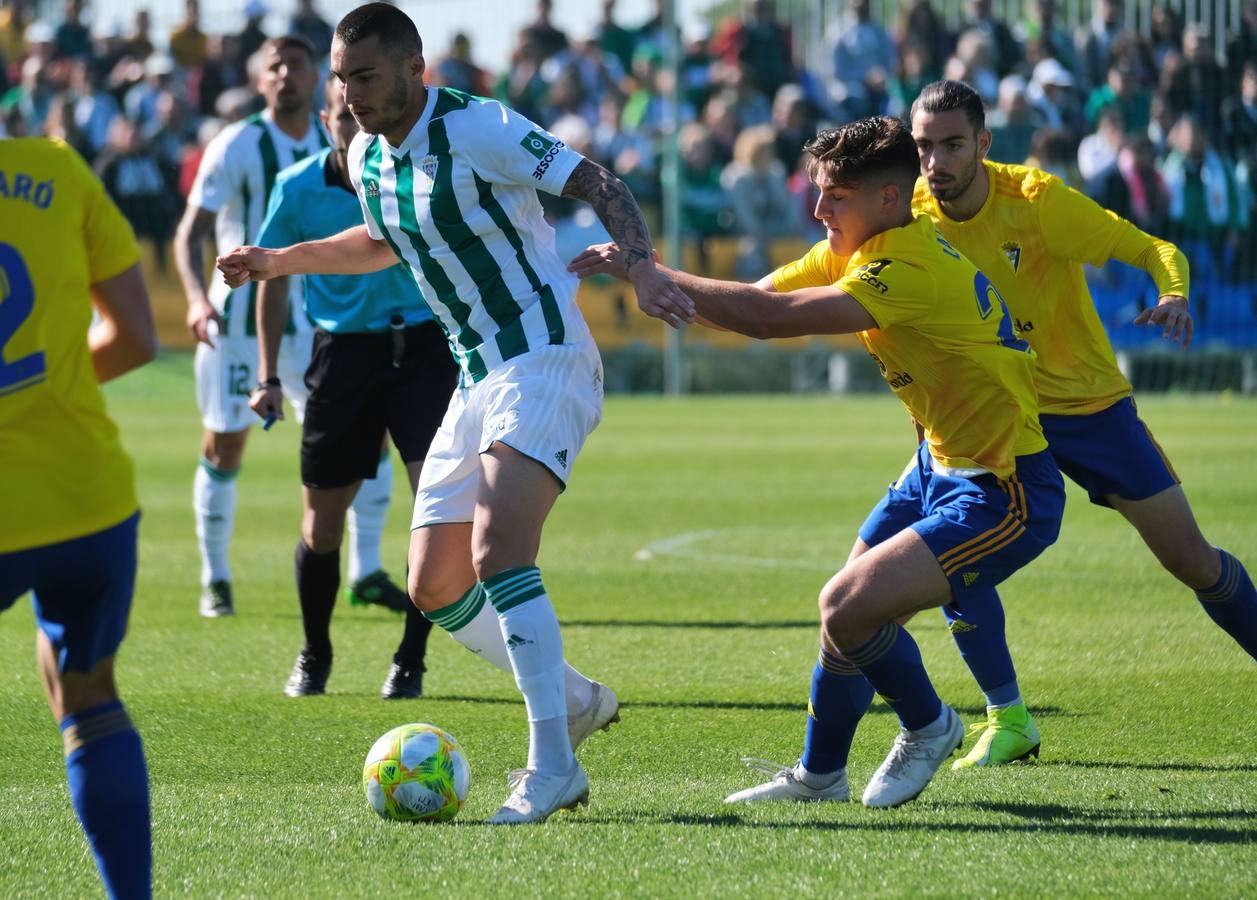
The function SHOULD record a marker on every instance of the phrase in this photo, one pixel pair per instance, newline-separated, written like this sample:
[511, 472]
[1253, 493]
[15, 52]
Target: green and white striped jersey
[234, 181]
[457, 202]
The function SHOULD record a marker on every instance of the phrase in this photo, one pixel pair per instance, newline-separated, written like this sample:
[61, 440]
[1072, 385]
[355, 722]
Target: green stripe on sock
[509, 589]
[216, 473]
[460, 612]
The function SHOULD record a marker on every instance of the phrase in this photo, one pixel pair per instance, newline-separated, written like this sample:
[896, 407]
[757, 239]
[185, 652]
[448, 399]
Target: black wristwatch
[271, 382]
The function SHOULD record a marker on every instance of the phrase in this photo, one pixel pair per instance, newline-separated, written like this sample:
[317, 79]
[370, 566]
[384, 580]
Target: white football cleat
[785, 785]
[603, 710]
[536, 796]
[912, 762]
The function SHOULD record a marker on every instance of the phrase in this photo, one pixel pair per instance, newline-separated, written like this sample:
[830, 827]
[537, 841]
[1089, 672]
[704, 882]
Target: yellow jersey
[1031, 237]
[63, 472]
[944, 342]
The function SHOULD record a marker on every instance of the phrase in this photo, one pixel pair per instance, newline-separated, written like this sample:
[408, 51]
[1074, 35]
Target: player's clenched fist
[246, 264]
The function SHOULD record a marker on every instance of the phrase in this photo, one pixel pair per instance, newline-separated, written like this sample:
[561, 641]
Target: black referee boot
[403, 683]
[309, 675]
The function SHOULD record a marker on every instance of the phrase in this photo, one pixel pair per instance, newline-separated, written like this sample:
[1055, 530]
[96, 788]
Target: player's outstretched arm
[123, 338]
[352, 252]
[615, 206]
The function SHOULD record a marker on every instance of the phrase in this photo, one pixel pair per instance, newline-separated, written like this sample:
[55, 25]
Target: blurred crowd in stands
[1162, 129]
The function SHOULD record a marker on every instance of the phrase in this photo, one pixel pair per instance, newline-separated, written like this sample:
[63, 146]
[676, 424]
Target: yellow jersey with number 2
[1032, 236]
[63, 472]
[944, 342]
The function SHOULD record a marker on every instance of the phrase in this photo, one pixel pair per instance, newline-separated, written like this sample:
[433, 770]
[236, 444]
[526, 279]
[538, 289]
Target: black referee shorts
[357, 394]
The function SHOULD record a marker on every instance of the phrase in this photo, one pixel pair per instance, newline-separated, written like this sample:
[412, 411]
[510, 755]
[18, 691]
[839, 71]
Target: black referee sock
[414, 645]
[318, 580]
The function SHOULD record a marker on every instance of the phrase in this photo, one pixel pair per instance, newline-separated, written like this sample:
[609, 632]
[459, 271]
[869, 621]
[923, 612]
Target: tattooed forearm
[615, 207]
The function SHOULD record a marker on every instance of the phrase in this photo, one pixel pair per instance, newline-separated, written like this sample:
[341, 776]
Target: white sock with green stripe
[474, 623]
[531, 632]
[214, 503]
[366, 522]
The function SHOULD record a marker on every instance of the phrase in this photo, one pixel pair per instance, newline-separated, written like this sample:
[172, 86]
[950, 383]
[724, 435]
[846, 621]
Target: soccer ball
[416, 773]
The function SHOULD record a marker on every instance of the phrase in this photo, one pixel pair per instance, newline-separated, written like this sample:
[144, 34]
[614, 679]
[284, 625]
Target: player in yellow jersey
[69, 524]
[1031, 234]
[982, 497]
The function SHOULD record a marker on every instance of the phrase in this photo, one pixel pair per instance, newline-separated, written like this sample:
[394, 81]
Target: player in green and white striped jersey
[229, 195]
[448, 184]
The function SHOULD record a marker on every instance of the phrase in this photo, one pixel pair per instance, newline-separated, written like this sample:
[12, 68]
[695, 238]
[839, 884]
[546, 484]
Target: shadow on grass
[1049, 820]
[812, 623]
[1149, 767]
[879, 709]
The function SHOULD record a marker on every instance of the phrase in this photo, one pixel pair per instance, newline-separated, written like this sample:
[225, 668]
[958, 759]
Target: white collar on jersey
[418, 136]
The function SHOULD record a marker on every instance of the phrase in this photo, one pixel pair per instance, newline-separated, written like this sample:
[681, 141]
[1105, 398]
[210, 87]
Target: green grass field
[685, 560]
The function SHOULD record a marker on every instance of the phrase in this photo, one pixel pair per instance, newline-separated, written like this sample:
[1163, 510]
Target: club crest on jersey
[1013, 251]
[428, 166]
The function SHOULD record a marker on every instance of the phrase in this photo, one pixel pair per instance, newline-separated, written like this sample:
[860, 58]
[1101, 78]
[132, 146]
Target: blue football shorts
[1109, 452]
[981, 529]
[82, 591]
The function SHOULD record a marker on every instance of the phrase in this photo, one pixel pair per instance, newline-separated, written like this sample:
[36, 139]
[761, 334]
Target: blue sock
[977, 627]
[840, 698]
[891, 661]
[1232, 603]
[109, 787]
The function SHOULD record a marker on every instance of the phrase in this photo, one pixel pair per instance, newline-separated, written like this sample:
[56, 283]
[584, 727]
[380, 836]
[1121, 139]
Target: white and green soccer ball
[416, 773]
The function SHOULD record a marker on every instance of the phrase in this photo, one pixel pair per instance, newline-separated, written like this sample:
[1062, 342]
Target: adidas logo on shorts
[561, 457]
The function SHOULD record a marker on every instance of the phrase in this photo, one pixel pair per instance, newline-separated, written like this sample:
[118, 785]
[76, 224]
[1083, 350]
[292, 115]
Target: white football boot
[603, 711]
[536, 796]
[786, 785]
[912, 762]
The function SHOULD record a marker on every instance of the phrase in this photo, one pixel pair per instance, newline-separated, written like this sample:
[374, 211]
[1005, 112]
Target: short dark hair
[393, 27]
[948, 96]
[288, 41]
[851, 154]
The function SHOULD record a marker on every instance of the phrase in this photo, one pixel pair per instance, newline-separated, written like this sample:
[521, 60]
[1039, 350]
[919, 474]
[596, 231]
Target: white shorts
[544, 404]
[226, 375]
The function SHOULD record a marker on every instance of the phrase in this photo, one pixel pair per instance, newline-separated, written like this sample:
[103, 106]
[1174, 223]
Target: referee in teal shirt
[379, 364]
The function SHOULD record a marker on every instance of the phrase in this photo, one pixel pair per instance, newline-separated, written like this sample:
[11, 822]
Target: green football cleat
[377, 589]
[1008, 735]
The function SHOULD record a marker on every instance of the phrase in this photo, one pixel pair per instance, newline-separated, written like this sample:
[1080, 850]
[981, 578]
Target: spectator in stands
[704, 206]
[1167, 33]
[589, 72]
[912, 72]
[921, 28]
[138, 44]
[251, 39]
[614, 39]
[521, 86]
[762, 211]
[1095, 42]
[544, 36]
[1243, 268]
[860, 46]
[1042, 25]
[310, 25]
[169, 134]
[758, 44]
[1197, 85]
[1149, 198]
[187, 41]
[94, 107]
[629, 153]
[794, 124]
[1160, 123]
[1123, 90]
[1241, 48]
[721, 118]
[136, 182]
[222, 70]
[13, 23]
[1013, 122]
[72, 38]
[457, 69]
[1051, 90]
[1052, 150]
[1098, 150]
[973, 48]
[1239, 113]
[32, 96]
[1204, 201]
[141, 100]
[1006, 52]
